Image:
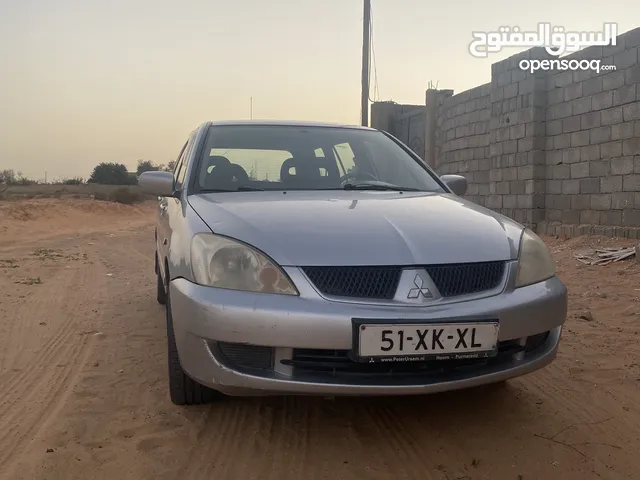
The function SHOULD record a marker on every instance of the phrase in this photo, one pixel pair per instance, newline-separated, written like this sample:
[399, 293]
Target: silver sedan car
[305, 258]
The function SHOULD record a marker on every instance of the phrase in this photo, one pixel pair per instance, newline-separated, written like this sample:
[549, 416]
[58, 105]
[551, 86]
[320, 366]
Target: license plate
[415, 342]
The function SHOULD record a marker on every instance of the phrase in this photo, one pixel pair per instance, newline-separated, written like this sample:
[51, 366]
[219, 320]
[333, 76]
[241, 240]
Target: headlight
[224, 263]
[535, 263]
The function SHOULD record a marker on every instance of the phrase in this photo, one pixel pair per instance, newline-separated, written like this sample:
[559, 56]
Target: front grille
[466, 278]
[358, 282]
[381, 282]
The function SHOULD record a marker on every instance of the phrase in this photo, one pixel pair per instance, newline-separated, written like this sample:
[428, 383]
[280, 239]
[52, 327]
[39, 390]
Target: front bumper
[206, 317]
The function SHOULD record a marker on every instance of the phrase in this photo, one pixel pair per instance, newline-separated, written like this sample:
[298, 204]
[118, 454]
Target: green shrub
[126, 196]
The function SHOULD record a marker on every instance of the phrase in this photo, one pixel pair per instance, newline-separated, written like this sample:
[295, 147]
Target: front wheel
[183, 389]
[161, 291]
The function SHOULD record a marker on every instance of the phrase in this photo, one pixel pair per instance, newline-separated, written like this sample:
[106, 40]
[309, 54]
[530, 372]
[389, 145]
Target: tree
[146, 166]
[106, 173]
[170, 166]
[10, 177]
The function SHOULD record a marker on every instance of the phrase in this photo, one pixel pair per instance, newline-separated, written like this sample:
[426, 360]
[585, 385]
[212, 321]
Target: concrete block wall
[462, 138]
[593, 143]
[558, 151]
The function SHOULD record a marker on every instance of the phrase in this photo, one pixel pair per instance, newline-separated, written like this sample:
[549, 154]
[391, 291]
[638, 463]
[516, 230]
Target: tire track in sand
[219, 440]
[40, 388]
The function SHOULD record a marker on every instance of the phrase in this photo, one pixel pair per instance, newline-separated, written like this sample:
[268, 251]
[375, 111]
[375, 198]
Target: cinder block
[581, 105]
[602, 101]
[626, 59]
[509, 201]
[554, 127]
[517, 131]
[526, 144]
[525, 201]
[561, 172]
[631, 218]
[622, 165]
[570, 187]
[632, 75]
[510, 173]
[590, 152]
[588, 120]
[601, 201]
[589, 185]
[562, 110]
[613, 80]
[611, 184]
[624, 94]
[580, 202]
[611, 149]
[631, 111]
[600, 135]
[570, 217]
[502, 188]
[631, 146]
[511, 91]
[599, 168]
[510, 146]
[571, 155]
[580, 170]
[612, 217]
[631, 183]
[526, 172]
[592, 86]
[571, 124]
[563, 141]
[518, 187]
[572, 91]
[554, 187]
[611, 116]
[632, 38]
[590, 217]
[622, 200]
[555, 96]
[579, 139]
[622, 131]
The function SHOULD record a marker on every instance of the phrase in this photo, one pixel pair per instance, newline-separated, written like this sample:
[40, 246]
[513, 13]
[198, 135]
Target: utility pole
[251, 108]
[366, 44]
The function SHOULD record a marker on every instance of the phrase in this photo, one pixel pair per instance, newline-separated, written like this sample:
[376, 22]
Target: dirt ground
[83, 380]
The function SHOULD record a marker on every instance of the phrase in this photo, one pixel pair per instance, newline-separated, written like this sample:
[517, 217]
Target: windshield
[259, 157]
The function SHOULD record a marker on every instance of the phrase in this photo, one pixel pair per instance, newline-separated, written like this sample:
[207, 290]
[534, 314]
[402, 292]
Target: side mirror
[457, 183]
[157, 183]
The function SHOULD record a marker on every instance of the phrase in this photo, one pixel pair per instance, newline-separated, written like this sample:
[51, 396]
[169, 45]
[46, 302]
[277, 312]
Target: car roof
[285, 123]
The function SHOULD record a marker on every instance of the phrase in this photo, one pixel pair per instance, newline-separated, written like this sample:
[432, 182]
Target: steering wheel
[355, 175]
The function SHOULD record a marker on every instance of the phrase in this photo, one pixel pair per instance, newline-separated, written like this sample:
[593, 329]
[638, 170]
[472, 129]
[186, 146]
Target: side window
[345, 156]
[179, 161]
[184, 158]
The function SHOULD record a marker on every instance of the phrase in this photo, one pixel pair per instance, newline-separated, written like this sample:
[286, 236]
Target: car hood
[361, 228]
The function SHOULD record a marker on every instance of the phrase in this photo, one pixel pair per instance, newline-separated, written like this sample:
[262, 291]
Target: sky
[87, 81]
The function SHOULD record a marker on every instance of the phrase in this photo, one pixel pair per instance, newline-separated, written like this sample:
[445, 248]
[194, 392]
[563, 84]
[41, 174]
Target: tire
[183, 390]
[161, 291]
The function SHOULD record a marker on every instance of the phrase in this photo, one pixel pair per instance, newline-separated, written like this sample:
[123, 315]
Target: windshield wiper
[378, 186]
[242, 188]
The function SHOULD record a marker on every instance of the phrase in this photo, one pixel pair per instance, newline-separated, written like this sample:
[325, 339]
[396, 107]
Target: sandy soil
[83, 380]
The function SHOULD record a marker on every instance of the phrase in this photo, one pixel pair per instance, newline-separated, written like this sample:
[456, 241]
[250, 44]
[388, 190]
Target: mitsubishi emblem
[419, 289]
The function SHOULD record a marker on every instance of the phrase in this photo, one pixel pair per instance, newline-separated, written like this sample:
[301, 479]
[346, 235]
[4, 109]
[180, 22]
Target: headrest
[217, 160]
